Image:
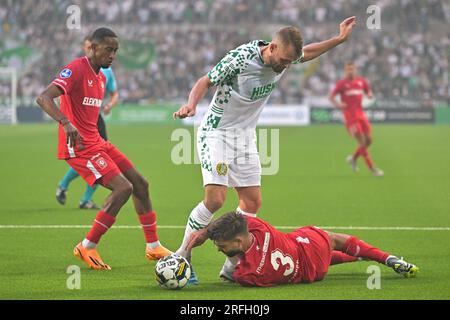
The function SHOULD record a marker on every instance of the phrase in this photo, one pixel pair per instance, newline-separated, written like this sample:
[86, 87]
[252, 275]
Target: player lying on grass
[81, 85]
[261, 255]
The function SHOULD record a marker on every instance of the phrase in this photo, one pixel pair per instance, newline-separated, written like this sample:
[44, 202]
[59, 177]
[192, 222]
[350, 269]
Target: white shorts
[229, 159]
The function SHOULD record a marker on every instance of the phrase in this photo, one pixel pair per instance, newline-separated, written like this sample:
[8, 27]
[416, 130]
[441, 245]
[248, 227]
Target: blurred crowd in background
[167, 44]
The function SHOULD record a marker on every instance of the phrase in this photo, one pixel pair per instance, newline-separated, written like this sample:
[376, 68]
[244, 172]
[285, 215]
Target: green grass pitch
[314, 185]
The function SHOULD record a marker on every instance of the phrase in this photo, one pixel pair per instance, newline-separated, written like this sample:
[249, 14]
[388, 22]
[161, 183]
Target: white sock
[199, 218]
[249, 214]
[153, 245]
[389, 263]
[88, 244]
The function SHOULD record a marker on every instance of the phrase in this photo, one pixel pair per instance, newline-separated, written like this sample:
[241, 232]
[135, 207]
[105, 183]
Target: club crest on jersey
[102, 164]
[66, 73]
[90, 83]
[222, 169]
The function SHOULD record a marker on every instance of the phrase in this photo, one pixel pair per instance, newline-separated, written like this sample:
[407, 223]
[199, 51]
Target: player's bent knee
[126, 189]
[337, 240]
[251, 206]
[142, 184]
[214, 203]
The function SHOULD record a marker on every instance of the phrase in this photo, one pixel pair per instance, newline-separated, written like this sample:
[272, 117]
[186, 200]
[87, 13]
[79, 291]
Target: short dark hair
[227, 227]
[101, 34]
[291, 36]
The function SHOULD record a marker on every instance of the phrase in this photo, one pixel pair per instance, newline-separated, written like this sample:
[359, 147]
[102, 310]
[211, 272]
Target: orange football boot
[90, 257]
[157, 253]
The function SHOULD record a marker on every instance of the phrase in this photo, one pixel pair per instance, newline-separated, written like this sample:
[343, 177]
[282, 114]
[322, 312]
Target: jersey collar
[265, 43]
[90, 67]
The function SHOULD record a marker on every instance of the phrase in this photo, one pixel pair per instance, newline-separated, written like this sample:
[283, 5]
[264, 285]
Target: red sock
[148, 222]
[367, 158]
[102, 223]
[357, 153]
[358, 248]
[338, 257]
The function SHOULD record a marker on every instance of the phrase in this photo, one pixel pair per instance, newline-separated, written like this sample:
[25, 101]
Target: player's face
[105, 51]
[281, 57]
[350, 70]
[230, 247]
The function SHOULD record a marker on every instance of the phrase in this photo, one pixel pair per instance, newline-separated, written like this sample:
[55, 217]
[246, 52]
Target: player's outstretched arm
[46, 101]
[313, 50]
[197, 93]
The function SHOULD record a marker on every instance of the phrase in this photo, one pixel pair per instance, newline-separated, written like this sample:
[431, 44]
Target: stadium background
[164, 47]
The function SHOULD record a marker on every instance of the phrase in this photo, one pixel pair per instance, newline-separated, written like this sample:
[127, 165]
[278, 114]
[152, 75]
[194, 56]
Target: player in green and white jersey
[226, 142]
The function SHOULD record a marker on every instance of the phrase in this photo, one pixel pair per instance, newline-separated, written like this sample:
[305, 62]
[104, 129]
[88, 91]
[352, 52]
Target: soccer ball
[172, 272]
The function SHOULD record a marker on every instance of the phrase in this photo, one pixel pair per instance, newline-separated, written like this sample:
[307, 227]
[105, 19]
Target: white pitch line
[183, 227]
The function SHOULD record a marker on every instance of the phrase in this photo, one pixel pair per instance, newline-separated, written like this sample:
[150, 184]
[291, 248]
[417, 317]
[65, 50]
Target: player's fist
[345, 28]
[184, 111]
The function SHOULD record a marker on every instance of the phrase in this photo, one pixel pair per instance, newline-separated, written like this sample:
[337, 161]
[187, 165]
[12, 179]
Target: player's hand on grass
[197, 239]
[346, 27]
[184, 111]
[73, 137]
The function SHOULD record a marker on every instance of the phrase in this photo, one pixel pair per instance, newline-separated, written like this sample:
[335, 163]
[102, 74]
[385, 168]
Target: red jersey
[81, 102]
[351, 93]
[276, 257]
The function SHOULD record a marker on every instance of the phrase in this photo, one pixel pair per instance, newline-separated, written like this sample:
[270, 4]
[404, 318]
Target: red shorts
[100, 164]
[316, 253]
[358, 126]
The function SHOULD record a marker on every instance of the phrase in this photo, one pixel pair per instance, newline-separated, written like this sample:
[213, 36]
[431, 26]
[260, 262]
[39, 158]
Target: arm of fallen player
[197, 238]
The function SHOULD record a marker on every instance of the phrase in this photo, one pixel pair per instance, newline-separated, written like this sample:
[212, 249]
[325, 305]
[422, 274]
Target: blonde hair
[291, 36]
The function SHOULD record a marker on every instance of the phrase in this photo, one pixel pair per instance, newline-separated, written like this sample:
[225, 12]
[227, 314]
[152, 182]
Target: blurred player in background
[81, 85]
[245, 79]
[351, 90]
[111, 88]
[260, 255]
